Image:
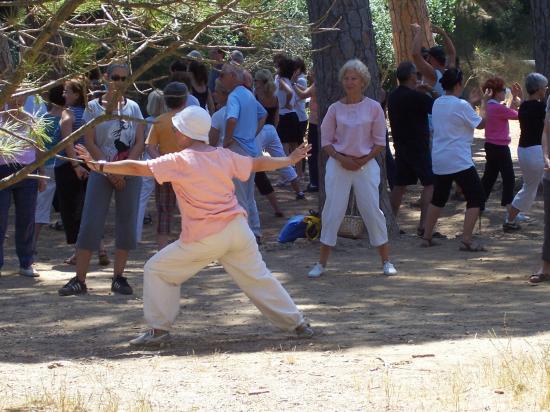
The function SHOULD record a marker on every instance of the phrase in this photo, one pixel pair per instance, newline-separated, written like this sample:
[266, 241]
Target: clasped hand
[352, 163]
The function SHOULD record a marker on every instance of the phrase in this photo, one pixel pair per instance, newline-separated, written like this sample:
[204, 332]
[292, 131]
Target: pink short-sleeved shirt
[202, 182]
[497, 130]
[353, 129]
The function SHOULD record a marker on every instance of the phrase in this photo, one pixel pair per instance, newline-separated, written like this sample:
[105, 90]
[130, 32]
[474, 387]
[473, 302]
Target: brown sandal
[70, 260]
[472, 247]
[428, 243]
[539, 277]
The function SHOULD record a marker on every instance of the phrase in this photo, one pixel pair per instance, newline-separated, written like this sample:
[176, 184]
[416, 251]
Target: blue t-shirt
[243, 106]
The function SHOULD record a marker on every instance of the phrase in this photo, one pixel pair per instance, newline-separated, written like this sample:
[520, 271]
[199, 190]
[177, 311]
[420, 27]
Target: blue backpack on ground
[293, 229]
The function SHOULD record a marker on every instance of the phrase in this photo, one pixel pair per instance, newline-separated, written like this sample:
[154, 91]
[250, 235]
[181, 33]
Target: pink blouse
[354, 129]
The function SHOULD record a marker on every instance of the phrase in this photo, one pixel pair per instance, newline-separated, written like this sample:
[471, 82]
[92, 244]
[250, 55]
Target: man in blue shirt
[245, 118]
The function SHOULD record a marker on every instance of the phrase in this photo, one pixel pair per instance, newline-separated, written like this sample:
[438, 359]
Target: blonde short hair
[265, 76]
[155, 103]
[357, 66]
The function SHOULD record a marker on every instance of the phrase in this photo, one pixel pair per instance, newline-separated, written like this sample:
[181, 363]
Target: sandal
[428, 243]
[103, 258]
[70, 260]
[539, 277]
[472, 247]
[437, 235]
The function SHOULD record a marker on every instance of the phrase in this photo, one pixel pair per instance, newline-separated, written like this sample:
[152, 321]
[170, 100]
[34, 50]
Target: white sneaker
[316, 271]
[29, 272]
[150, 338]
[522, 218]
[389, 269]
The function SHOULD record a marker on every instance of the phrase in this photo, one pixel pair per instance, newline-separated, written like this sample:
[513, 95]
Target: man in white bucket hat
[214, 227]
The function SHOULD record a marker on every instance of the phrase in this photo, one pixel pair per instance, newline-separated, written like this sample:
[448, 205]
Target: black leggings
[468, 180]
[263, 184]
[313, 159]
[499, 160]
[70, 191]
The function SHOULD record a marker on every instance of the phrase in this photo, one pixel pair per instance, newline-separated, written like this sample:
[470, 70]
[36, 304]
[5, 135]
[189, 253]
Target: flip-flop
[70, 260]
[472, 247]
[428, 243]
[539, 277]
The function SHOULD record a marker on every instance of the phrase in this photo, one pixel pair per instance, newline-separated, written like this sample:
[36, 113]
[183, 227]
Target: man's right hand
[348, 163]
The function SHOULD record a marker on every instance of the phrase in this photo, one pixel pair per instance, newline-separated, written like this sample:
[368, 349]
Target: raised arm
[545, 142]
[425, 68]
[448, 45]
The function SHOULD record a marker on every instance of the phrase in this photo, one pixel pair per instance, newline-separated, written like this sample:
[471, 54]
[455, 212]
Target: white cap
[194, 122]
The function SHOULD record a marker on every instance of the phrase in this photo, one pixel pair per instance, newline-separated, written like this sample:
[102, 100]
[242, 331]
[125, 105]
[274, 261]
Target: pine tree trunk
[403, 13]
[540, 12]
[354, 38]
[6, 58]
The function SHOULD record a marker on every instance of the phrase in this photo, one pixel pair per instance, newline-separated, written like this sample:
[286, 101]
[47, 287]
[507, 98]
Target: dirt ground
[453, 331]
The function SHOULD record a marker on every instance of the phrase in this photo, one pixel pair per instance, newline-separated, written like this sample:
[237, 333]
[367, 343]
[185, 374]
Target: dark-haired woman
[497, 138]
[454, 122]
[199, 86]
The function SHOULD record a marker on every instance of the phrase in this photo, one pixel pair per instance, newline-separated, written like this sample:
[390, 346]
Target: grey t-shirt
[114, 137]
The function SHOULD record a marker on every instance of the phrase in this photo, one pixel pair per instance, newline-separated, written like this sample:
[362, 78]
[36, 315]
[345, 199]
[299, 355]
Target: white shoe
[150, 338]
[389, 269]
[29, 272]
[316, 271]
[522, 218]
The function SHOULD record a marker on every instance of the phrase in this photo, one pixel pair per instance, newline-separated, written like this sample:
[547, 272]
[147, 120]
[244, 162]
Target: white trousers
[236, 249]
[531, 163]
[147, 187]
[269, 142]
[245, 195]
[338, 184]
[44, 199]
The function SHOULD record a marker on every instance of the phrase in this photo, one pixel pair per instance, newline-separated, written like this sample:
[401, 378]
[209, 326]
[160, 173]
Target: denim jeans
[24, 196]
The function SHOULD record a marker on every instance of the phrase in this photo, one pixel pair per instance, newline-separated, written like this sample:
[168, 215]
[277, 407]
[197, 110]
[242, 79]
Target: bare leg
[162, 240]
[83, 257]
[425, 199]
[512, 213]
[545, 267]
[470, 219]
[396, 198]
[431, 220]
[384, 251]
[272, 198]
[295, 186]
[121, 256]
[324, 254]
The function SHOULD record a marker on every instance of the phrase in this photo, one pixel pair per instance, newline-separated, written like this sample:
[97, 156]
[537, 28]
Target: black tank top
[201, 97]
[271, 113]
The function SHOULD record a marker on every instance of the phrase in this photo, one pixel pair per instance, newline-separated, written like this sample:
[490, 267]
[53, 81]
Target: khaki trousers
[236, 249]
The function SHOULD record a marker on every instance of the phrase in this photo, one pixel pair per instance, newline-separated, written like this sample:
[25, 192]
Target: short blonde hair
[155, 103]
[357, 66]
[265, 76]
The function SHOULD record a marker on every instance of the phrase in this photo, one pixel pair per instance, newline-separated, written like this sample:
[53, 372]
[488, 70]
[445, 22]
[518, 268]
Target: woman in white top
[454, 122]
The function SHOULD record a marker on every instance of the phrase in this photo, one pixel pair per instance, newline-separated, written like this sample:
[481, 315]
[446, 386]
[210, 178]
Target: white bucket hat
[194, 122]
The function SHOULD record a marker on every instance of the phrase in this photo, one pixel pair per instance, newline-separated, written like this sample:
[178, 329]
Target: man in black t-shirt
[408, 111]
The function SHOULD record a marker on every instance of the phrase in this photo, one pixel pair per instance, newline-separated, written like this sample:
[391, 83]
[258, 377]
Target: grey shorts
[96, 207]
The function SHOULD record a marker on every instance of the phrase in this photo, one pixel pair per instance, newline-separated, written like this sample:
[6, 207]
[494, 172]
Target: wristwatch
[101, 163]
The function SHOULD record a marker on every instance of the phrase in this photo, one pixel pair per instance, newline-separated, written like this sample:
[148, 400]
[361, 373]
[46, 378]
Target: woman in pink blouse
[353, 133]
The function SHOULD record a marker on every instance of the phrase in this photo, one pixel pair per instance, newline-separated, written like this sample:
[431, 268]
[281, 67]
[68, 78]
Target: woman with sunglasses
[111, 140]
[454, 122]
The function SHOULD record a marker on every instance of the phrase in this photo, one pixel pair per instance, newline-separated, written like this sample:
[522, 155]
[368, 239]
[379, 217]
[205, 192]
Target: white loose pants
[269, 142]
[531, 163]
[236, 249]
[338, 184]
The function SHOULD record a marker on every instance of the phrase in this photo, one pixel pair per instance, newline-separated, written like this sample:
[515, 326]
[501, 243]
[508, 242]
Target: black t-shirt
[531, 122]
[408, 111]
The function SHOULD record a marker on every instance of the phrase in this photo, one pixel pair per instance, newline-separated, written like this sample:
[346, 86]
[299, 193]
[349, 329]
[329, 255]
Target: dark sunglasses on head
[116, 78]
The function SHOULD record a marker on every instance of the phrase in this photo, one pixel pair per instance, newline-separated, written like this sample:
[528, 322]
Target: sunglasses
[116, 78]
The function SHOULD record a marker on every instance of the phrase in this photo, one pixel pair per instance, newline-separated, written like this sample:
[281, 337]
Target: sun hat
[194, 122]
[195, 54]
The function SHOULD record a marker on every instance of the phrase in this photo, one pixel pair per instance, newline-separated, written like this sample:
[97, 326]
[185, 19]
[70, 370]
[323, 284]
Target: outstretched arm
[123, 167]
[545, 142]
[266, 163]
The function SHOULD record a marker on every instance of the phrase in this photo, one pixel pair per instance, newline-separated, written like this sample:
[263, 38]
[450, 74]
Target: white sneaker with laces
[29, 272]
[150, 338]
[316, 271]
[389, 269]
